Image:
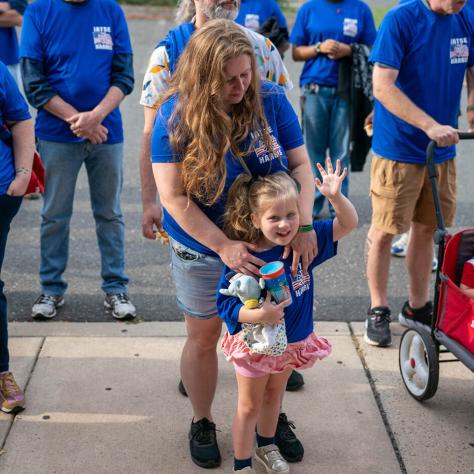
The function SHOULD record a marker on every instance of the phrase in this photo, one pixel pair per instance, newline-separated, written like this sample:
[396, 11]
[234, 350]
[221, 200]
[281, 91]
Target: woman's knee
[204, 334]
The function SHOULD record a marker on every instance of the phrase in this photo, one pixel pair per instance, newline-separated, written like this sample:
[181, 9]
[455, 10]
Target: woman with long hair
[217, 120]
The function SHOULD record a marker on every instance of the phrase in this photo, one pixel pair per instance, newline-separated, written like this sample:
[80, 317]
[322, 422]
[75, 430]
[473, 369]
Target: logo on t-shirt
[350, 27]
[300, 282]
[252, 21]
[265, 155]
[102, 37]
[459, 50]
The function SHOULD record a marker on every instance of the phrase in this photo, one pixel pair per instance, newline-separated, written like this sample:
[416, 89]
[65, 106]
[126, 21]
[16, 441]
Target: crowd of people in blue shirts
[230, 176]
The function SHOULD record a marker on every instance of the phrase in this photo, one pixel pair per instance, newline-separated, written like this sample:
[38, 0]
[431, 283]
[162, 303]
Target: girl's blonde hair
[200, 130]
[252, 195]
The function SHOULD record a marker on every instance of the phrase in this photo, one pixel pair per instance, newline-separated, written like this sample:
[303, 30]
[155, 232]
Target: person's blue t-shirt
[13, 108]
[253, 13]
[298, 315]
[431, 53]
[348, 21]
[9, 51]
[286, 135]
[76, 43]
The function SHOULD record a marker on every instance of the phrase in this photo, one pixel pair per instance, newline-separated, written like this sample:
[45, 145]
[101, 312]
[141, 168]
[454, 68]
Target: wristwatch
[317, 47]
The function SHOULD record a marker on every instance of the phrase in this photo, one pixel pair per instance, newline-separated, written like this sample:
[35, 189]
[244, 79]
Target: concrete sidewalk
[102, 398]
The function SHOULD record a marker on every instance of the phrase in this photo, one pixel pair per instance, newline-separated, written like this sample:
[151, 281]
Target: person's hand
[335, 49]
[151, 221]
[305, 248]
[330, 186]
[369, 124]
[271, 313]
[443, 135]
[328, 47]
[340, 50]
[88, 125]
[19, 184]
[236, 255]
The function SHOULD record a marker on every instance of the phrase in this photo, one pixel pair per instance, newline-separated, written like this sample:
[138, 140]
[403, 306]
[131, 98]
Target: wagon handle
[441, 229]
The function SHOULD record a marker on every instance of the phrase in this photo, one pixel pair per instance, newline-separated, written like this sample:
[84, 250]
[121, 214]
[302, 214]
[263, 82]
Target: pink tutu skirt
[298, 355]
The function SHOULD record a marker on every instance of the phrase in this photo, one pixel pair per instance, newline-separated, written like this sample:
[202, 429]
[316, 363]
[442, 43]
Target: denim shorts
[196, 277]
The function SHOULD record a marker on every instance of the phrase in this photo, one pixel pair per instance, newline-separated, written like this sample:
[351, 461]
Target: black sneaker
[377, 327]
[290, 446]
[421, 315]
[295, 381]
[181, 389]
[203, 444]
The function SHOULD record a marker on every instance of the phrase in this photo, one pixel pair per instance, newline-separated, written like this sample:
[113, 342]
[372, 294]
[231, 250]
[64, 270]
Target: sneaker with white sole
[399, 247]
[416, 317]
[45, 306]
[12, 398]
[120, 306]
[272, 460]
[377, 327]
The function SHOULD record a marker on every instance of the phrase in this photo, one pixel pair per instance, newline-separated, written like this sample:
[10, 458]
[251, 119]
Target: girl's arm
[235, 254]
[268, 313]
[305, 245]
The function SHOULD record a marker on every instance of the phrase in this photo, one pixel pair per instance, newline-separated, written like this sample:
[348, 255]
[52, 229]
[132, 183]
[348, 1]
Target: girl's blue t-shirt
[299, 314]
[431, 53]
[14, 108]
[348, 21]
[76, 43]
[285, 133]
[253, 13]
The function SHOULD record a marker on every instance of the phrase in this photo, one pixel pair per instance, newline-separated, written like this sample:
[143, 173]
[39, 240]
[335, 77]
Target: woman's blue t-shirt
[284, 130]
[299, 314]
[13, 108]
[348, 21]
[431, 53]
[76, 43]
[253, 13]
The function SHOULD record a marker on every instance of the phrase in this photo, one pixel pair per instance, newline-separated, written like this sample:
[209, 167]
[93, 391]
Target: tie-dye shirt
[268, 61]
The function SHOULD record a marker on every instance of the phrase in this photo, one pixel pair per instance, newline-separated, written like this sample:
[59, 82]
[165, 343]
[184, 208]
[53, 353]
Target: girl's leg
[251, 392]
[268, 417]
[199, 364]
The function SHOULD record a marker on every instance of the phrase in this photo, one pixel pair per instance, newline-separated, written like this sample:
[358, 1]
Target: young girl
[265, 212]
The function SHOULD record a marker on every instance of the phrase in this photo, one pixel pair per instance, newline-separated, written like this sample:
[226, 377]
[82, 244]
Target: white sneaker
[120, 306]
[271, 458]
[399, 247]
[45, 306]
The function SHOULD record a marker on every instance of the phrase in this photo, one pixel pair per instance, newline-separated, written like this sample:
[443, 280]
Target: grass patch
[379, 13]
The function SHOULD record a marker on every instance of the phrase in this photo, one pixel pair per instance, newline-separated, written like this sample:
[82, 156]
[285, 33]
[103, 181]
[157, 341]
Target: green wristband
[305, 228]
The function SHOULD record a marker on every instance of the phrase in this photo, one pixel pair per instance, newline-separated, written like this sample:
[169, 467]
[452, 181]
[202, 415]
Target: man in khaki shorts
[421, 55]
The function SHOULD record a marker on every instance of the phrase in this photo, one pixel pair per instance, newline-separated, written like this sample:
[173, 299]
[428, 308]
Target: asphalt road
[341, 292]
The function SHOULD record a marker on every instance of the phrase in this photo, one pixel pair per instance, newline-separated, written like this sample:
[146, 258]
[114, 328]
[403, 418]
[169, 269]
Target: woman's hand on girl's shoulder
[236, 255]
[305, 248]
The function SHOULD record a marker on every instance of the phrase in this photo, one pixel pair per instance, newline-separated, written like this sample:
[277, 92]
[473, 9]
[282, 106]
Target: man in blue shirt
[421, 55]
[76, 61]
[10, 17]
[322, 35]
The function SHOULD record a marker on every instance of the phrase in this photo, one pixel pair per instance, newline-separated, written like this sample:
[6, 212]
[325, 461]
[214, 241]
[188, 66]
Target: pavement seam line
[378, 400]
[7, 434]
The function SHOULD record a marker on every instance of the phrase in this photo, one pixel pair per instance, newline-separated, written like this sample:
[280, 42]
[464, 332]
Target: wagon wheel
[419, 363]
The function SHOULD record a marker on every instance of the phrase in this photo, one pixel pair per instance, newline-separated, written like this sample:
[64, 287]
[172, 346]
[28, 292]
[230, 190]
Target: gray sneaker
[272, 460]
[120, 306]
[45, 306]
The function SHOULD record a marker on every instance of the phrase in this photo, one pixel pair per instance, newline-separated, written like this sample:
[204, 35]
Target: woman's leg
[249, 404]
[268, 417]
[199, 363]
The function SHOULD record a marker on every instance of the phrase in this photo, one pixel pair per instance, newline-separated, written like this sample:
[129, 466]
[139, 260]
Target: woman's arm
[305, 245]
[23, 151]
[191, 219]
